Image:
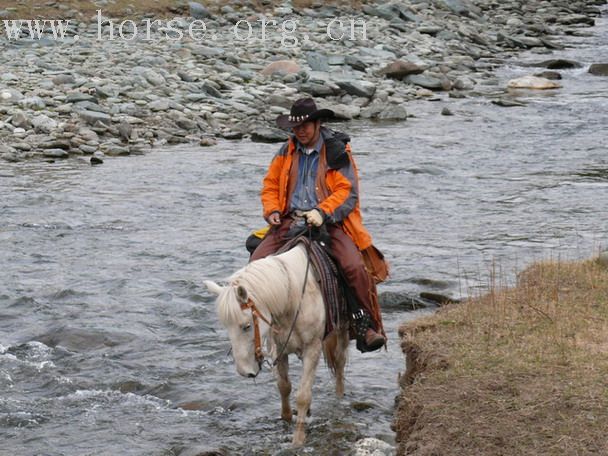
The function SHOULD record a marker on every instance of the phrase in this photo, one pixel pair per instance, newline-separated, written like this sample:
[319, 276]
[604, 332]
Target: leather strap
[257, 339]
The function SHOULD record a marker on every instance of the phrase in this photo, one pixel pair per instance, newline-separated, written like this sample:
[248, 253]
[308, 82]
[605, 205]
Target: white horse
[264, 301]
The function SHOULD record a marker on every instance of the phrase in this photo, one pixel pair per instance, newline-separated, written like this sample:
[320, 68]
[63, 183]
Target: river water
[109, 343]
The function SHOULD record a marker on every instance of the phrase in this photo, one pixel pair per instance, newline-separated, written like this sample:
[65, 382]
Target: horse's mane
[268, 283]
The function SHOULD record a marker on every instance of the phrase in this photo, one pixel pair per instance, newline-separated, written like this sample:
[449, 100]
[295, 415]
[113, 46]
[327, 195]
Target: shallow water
[109, 343]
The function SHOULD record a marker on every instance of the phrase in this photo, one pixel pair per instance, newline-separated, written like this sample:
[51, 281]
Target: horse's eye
[246, 327]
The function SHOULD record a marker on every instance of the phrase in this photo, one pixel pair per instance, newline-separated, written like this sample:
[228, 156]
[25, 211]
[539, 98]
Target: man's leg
[350, 261]
[273, 241]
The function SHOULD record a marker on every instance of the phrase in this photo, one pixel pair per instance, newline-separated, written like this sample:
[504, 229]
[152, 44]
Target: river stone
[358, 88]
[599, 69]
[198, 11]
[552, 75]
[317, 61]
[10, 95]
[572, 19]
[153, 77]
[400, 69]
[207, 141]
[355, 63]
[268, 135]
[55, 153]
[43, 123]
[560, 64]
[75, 97]
[61, 79]
[455, 6]
[21, 120]
[92, 117]
[96, 161]
[428, 82]
[159, 105]
[393, 112]
[373, 447]
[35, 103]
[344, 111]
[532, 82]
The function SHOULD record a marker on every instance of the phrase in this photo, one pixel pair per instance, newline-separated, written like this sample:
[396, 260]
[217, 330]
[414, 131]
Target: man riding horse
[314, 177]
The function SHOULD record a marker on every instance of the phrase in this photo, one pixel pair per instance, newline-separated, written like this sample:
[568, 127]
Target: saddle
[341, 307]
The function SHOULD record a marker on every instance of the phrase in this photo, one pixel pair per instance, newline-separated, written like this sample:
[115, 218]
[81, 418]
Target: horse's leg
[284, 387]
[310, 360]
[340, 355]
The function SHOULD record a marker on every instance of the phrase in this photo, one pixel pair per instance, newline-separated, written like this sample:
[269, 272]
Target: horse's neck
[295, 267]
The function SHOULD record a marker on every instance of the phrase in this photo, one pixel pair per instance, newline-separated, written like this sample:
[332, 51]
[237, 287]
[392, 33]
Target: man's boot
[367, 338]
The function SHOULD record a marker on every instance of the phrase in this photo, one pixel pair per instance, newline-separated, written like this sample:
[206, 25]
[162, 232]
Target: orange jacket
[337, 184]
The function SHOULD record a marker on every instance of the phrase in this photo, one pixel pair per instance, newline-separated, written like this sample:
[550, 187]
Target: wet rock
[560, 64]
[533, 82]
[599, 69]
[360, 406]
[207, 141]
[438, 298]
[55, 153]
[390, 300]
[572, 19]
[551, 75]
[393, 112]
[96, 161]
[373, 447]
[507, 103]
[400, 69]
[446, 112]
[268, 135]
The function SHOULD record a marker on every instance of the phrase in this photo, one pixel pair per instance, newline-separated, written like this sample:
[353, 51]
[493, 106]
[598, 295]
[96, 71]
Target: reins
[295, 318]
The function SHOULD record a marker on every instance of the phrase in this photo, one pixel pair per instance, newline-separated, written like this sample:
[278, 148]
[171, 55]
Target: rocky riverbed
[159, 83]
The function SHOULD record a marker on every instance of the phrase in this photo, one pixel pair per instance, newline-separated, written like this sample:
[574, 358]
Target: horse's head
[247, 326]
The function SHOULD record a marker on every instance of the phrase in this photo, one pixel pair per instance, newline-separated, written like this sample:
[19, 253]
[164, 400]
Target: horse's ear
[241, 294]
[213, 287]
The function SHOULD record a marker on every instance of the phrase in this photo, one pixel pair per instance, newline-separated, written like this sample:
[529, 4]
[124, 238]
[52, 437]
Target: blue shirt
[304, 196]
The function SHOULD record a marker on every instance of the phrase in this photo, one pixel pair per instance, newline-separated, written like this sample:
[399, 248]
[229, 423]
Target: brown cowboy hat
[303, 110]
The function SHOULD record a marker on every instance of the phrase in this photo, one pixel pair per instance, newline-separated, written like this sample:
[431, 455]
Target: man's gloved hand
[314, 217]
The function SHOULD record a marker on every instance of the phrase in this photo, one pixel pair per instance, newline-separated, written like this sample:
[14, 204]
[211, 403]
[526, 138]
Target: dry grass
[58, 9]
[521, 371]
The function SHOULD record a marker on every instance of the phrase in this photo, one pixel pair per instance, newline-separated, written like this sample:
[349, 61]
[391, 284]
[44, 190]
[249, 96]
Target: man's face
[307, 132]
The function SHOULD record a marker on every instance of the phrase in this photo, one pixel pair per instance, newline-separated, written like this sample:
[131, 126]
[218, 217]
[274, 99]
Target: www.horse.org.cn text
[261, 30]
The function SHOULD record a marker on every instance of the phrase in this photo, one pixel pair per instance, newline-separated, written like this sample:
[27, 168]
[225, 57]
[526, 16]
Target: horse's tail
[335, 348]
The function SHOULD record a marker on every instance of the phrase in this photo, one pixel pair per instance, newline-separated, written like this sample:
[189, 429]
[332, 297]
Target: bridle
[257, 315]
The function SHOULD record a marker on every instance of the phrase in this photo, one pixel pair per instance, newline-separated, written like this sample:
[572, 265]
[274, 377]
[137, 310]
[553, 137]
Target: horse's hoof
[298, 441]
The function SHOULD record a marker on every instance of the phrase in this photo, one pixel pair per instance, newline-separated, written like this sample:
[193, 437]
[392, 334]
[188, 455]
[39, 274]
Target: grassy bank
[523, 371]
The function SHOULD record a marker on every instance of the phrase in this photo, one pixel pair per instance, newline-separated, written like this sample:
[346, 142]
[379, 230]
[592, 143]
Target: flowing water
[109, 343]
